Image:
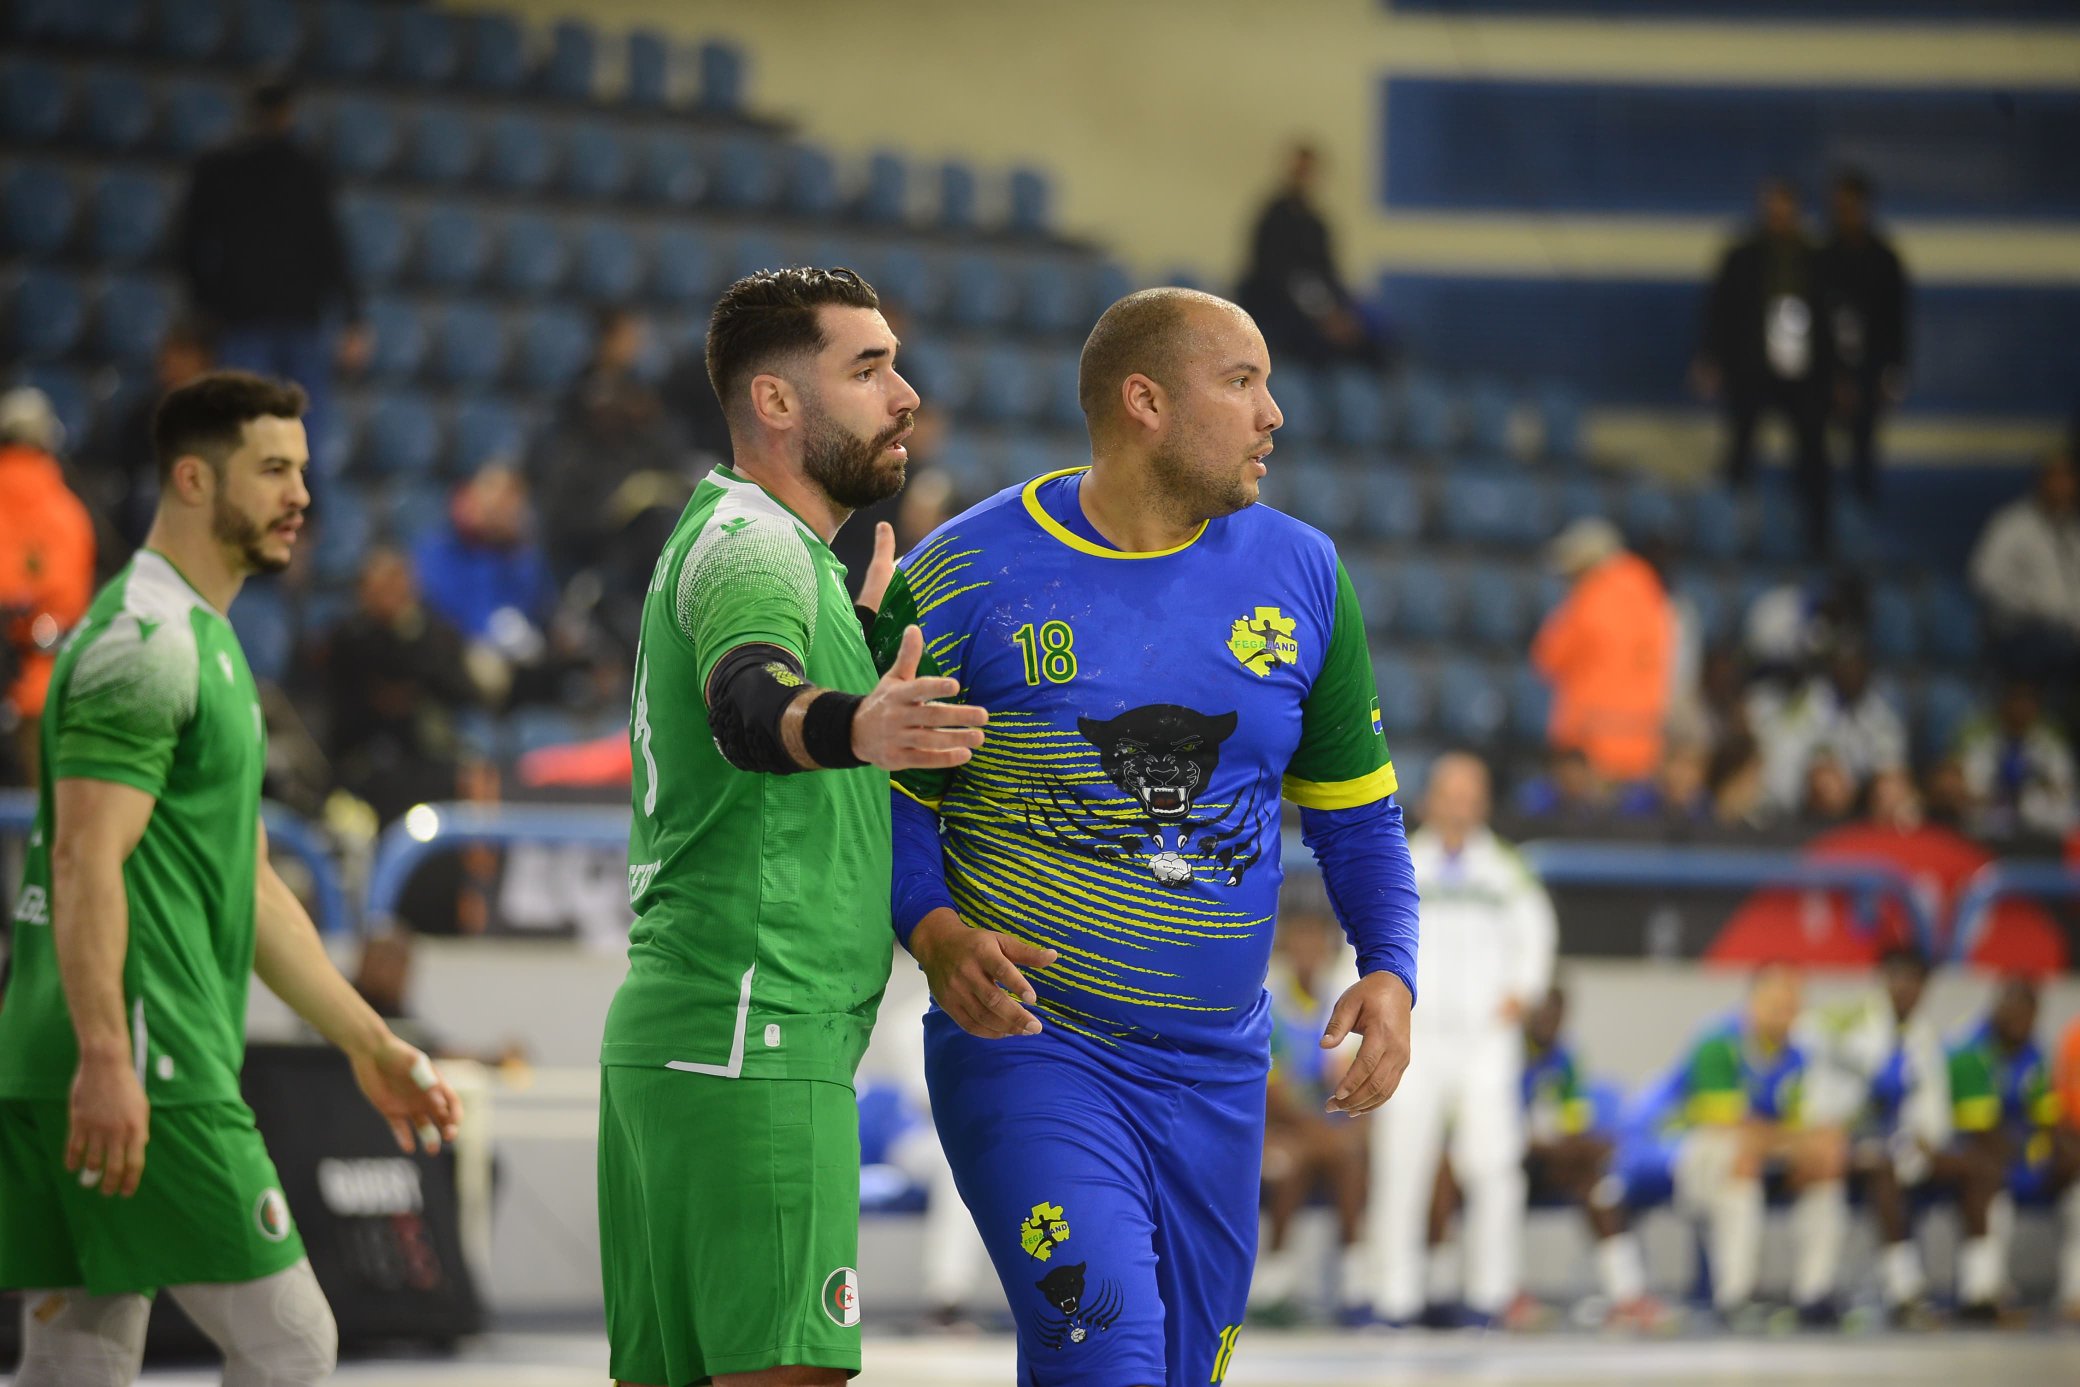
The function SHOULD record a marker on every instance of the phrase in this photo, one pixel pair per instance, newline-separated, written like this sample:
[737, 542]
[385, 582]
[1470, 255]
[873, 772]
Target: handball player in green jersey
[128, 1161]
[759, 862]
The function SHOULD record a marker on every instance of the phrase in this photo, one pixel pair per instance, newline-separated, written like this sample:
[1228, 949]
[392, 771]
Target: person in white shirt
[2026, 569]
[1489, 936]
[1841, 712]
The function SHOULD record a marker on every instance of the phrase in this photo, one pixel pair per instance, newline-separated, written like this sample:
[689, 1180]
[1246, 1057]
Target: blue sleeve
[918, 884]
[1363, 852]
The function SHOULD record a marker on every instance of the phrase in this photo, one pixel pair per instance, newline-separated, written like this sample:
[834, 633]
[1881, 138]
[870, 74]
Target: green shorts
[728, 1224]
[209, 1208]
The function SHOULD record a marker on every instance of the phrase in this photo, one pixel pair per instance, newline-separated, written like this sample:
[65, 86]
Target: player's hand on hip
[401, 1083]
[110, 1122]
[974, 975]
[1376, 1007]
[881, 569]
[899, 726]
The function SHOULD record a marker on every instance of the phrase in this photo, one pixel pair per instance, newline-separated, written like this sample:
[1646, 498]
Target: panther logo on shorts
[841, 1297]
[271, 1215]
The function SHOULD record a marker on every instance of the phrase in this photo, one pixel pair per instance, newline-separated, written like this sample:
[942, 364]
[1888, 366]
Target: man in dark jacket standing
[1868, 302]
[260, 247]
[1766, 347]
[1292, 287]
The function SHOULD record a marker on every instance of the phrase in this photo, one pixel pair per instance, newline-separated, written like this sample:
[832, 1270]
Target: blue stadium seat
[904, 276]
[1061, 407]
[333, 438]
[429, 46]
[811, 184]
[350, 40]
[554, 347]
[1008, 387]
[751, 252]
[266, 629]
[1718, 528]
[571, 71]
[722, 78]
[193, 30]
[1652, 513]
[519, 156]
[1487, 507]
[1389, 503]
[1357, 407]
[1425, 412]
[1405, 697]
[1373, 582]
[1030, 198]
[956, 197]
[34, 101]
[48, 21]
[487, 429]
[345, 531]
[270, 34]
[683, 268]
[748, 174]
[1299, 398]
[130, 216]
[403, 435]
[399, 347]
[1949, 623]
[1050, 299]
[37, 210]
[365, 137]
[49, 312]
[1894, 634]
[536, 727]
[473, 346]
[1488, 409]
[936, 373]
[198, 116]
[885, 197]
[1495, 608]
[115, 110]
[1109, 283]
[444, 146]
[454, 247]
[979, 292]
[407, 507]
[1859, 538]
[1780, 537]
[1426, 601]
[1707, 598]
[1472, 703]
[114, 24]
[671, 171]
[1530, 706]
[532, 257]
[1947, 702]
[377, 240]
[649, 70]
[497, 53]
[610, 267]
[596, 163]
[1319, 493]
[1560, 421]
[131, 317]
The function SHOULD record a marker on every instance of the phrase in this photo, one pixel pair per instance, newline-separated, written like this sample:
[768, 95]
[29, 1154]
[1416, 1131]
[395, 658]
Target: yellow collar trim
[1078, 542]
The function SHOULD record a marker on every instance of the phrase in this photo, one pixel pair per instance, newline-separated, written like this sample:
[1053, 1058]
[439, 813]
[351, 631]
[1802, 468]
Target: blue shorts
[1119, 1205]
[1645, 1163]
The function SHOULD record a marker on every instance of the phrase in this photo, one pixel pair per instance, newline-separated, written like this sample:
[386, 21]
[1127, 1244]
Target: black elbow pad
[748, 690]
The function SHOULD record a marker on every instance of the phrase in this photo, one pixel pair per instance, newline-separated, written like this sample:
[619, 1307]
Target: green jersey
[151, 691]
[762, 943]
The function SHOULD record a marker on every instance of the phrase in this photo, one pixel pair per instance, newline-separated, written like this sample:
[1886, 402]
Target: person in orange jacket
[1606, 651]
[46, 561]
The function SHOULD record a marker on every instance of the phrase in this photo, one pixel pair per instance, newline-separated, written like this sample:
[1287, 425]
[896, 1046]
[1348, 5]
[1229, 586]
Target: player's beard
[1193, 492]
[849, 468]
[232, 526]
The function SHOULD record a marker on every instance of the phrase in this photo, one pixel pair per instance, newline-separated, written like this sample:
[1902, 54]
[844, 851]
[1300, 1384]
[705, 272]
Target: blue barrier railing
[430, 828]
[1997, 880]
[284, 831]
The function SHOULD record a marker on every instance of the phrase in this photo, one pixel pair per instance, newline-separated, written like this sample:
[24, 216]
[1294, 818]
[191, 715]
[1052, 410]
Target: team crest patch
[841, 1297]
[271, 1215]
[1044, 1230]
[1264, 640]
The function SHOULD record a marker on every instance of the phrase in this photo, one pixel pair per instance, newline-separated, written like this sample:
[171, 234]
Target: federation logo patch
[1264, 640]
[841, 1297]
[271, 1216]
[1043, 1231]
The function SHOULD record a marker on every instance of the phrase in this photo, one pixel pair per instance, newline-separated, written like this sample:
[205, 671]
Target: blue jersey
[1147, 713]
[1555, 1104]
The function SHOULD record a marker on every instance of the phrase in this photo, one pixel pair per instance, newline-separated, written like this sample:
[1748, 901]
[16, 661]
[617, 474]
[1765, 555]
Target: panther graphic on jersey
[1064, 1289]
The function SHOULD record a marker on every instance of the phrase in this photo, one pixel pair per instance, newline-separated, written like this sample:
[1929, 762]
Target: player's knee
[276, 1332]
[71, 1339]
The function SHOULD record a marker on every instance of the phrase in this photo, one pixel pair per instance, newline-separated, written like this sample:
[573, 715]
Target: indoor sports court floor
[1271, 1359]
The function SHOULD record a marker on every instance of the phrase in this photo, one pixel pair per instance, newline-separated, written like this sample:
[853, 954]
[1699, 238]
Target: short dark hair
[1136, 336]
[207, 417]
[772, 314]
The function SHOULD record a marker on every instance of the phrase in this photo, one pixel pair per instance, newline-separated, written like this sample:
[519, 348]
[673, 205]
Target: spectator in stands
[124, 469]
[1868, 313]
[1606, 651]
[484, 573]
[1306, 1149]
[2026, 569]
[2018, 768]
[259, 244]
[1789, 628]
[1291, 286]
[1679, 794]
[1840, 712]
[1734, 781]
[1830, 793]
[1766, 348]
[397, 677]
[46, 570]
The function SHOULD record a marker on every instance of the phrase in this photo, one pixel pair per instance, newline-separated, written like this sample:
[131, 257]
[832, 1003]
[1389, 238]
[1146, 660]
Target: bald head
[1456, 800]
[1152, 333]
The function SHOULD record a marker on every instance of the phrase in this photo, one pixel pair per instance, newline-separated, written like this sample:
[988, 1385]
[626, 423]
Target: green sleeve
[898, 611]
[748, 582]
[1577, 1113]
[1342, 760]
[1975, 1106]
[1715, 1096]
[125, 701]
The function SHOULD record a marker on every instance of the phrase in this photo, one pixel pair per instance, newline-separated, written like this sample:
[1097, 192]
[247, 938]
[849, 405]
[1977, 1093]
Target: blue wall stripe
[1979, 349]
[1879, 11]
[1476, 145]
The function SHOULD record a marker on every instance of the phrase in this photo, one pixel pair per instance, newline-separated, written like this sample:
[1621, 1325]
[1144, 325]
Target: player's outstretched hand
[974, 974]
[402, 1085]
[900, 728]
[110, 1122]
[881, 569]
[1376, 1007]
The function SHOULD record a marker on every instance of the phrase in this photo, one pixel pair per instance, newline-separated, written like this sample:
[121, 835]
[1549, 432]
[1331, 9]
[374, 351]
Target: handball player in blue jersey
[1092, 896]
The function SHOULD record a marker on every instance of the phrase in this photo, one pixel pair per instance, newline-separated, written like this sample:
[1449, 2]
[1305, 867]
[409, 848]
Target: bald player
[1092, 896]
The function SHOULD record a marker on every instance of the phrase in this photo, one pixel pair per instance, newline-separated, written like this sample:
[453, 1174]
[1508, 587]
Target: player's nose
[1272, 416]
[906, 399]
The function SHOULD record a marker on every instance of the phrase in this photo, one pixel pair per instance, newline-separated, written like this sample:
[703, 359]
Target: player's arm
[1342, 777]
[289, 957]
[97, 824]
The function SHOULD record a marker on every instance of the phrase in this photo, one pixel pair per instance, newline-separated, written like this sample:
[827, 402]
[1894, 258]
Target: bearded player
[1164, 661]
[128, 1161]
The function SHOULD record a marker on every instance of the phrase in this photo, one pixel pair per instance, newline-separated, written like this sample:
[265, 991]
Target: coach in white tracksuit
[1488, 942]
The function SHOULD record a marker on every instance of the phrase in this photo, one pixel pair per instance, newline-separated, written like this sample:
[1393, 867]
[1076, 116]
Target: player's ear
[773, 401]
[1143, 401]
[191, 478]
